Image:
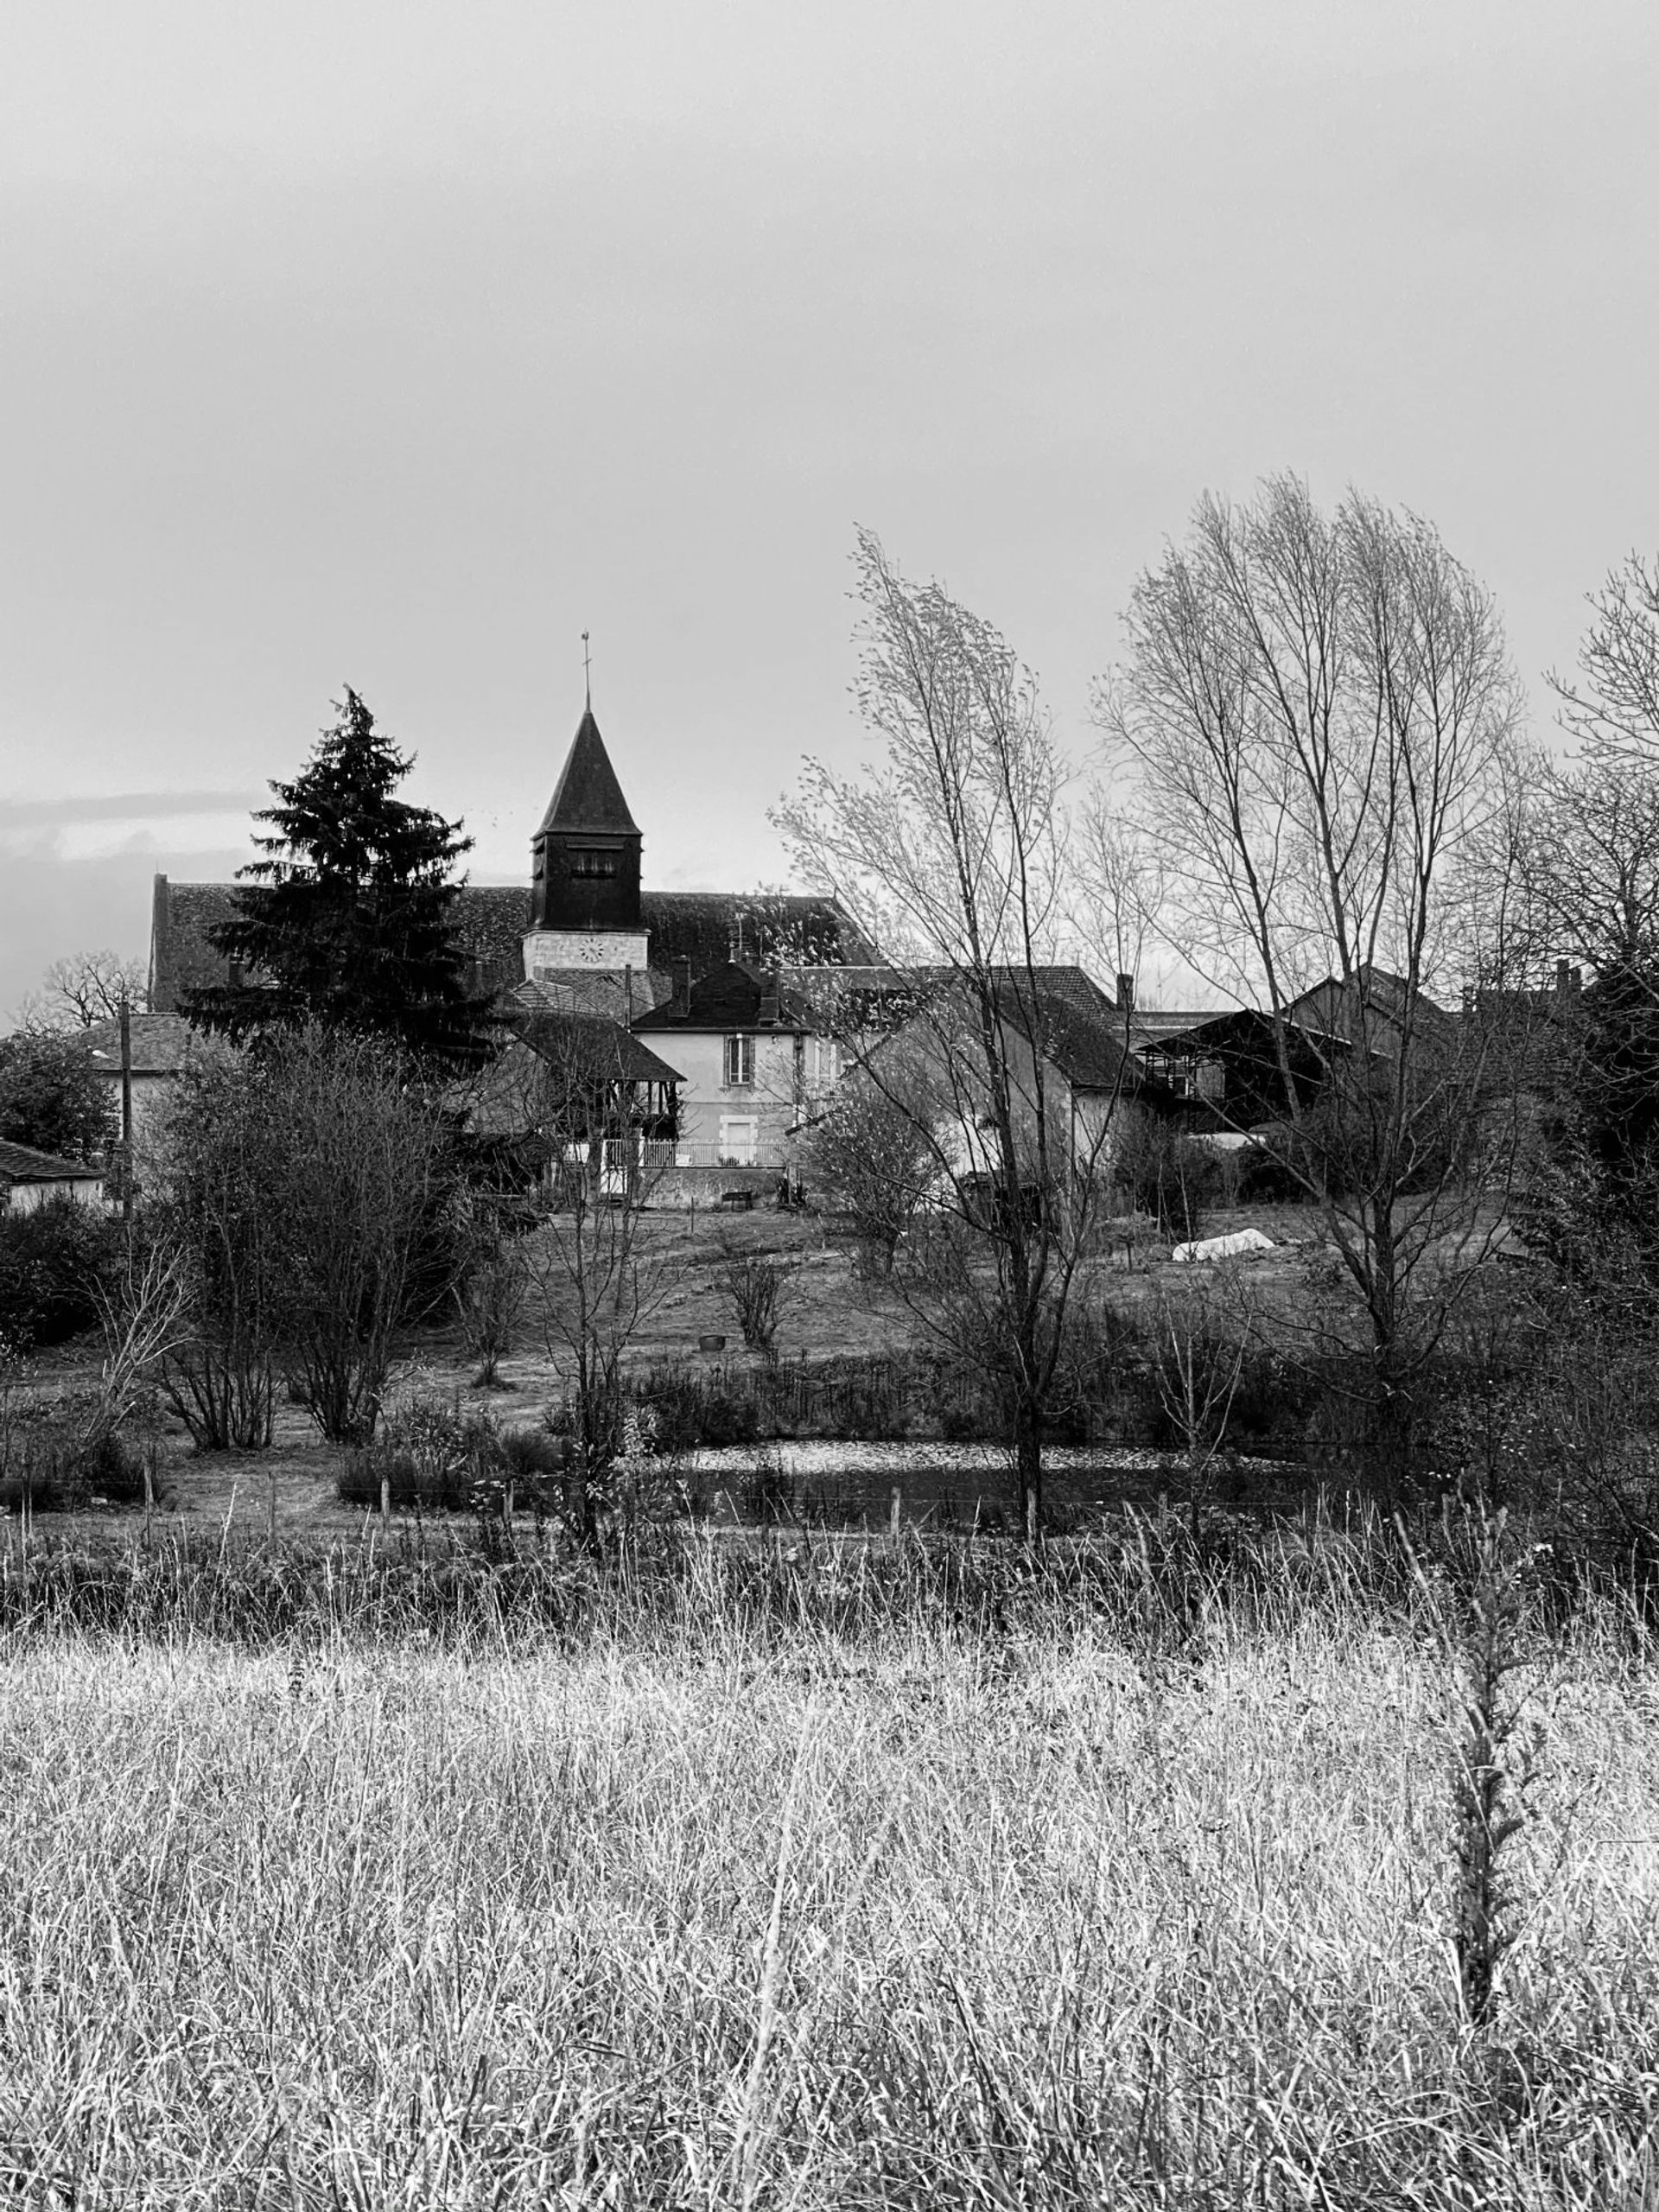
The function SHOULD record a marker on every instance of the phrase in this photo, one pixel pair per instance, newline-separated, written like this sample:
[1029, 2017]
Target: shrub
[1165, 1173]
[757, 1286]
[57, 1455]
[431, 1455]
[51, 1261]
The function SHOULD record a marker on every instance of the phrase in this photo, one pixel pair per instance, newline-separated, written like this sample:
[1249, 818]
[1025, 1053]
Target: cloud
[122, 806]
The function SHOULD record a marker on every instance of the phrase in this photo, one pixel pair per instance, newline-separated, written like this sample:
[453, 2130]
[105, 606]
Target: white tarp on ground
[1224, 1248]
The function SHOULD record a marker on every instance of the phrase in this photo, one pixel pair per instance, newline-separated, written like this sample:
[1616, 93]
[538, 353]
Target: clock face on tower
[604, 951]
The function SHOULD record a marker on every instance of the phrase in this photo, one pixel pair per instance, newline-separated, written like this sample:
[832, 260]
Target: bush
[1167, 1173]
[56, 1456]
[757, 1288]
[435, 1458]
[51, 1263]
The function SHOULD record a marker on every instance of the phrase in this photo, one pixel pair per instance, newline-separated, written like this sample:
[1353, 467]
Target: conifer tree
[346, 919]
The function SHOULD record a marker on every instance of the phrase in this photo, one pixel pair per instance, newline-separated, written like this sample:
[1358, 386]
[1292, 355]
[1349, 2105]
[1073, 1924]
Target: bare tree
[85, 987]
[1198, 1360]
[604, 1139]
[1321, 710]
[214, 1157]
[870, 1151]
[1117, 897]
[141, 1305]
[351, 1168]
[1587, 829]
[490, 1280]
[952, 853]
[1614, 706]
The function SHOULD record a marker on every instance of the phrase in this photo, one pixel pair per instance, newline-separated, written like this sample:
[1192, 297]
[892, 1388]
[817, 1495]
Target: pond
[943, 1486]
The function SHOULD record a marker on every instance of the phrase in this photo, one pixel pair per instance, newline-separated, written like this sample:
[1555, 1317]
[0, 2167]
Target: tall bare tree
[1322, 712]
[602, 1134]
[1588, 843]
[214, 1157]
[1588, 838]
[951, 853]
[84, 988]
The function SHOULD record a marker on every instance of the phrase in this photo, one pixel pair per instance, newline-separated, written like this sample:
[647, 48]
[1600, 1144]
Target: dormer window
[586, 861]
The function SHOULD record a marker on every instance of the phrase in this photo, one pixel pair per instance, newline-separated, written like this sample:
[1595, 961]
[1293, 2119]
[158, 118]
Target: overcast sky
[397, 344]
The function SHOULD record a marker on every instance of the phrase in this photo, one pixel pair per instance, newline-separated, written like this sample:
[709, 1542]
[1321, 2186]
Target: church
[702, 976]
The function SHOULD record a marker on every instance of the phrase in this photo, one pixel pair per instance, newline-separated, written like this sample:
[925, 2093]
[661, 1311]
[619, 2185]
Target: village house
[1068, 1047]
[754, 1051]
[572, 1094]
[159, 1047]
[30, 1179]
[1228, 1066]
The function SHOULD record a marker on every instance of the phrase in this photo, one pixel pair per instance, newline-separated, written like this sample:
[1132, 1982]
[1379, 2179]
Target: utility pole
[126, 1112]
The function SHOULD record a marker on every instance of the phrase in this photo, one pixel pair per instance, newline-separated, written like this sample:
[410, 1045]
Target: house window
[740, 1061]
[589, 863]
[737, 1140]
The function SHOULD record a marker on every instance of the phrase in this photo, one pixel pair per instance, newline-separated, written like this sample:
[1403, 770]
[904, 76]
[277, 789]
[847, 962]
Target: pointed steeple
[588, 799]
[585, 857]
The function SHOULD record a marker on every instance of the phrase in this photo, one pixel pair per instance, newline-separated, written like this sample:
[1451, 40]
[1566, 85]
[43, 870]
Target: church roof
[490, 920]
[588, 796]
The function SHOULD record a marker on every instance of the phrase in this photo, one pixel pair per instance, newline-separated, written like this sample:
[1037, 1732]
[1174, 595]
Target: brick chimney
[769, 1016]
[1126, 994]
[680, 1005]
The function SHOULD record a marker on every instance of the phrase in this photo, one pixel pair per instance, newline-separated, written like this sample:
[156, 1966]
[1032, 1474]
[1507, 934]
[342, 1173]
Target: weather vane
[586, 670]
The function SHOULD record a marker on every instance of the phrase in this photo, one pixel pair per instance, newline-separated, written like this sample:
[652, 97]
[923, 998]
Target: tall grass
[854, 1877]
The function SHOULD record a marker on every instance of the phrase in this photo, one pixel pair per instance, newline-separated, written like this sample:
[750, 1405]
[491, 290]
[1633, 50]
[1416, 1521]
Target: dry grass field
[699, 1911]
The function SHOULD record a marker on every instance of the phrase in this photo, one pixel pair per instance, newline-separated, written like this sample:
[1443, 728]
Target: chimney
[769, 1016]
[1126, 994]
[680, 1005]
[1569, 980]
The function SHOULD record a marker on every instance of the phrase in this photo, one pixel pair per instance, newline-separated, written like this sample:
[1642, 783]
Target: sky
[395, 343]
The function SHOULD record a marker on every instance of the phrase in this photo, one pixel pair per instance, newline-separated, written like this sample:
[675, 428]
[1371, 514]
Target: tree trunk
[1028, 1466]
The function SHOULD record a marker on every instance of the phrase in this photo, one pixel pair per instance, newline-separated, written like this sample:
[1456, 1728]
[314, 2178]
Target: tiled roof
[588, 796]
[773, 928]
[737, 995]
[596, 1049]
[160, 1043]
[492, 918]
[1074, 1023]
[20, 1163]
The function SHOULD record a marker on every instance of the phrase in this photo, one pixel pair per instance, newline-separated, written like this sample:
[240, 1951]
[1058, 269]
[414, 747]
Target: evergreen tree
[347, 915]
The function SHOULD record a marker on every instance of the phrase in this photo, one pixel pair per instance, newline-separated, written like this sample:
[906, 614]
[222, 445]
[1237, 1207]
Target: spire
[587, 796]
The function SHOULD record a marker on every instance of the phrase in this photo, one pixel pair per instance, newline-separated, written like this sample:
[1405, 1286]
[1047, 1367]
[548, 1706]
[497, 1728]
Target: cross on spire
[586, 670]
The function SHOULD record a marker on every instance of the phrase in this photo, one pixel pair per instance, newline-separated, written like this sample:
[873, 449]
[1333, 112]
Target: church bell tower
[584, 910]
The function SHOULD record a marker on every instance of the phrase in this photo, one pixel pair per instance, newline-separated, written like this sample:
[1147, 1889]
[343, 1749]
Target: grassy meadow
[810, 1881]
